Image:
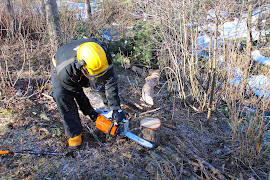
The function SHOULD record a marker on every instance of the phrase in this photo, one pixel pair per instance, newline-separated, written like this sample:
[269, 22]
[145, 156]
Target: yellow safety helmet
[94, 57]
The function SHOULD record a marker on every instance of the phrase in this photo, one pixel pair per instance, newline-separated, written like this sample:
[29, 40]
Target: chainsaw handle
[4, 152]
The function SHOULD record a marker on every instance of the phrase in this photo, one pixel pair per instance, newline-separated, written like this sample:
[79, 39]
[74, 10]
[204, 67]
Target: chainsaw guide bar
[139, 140]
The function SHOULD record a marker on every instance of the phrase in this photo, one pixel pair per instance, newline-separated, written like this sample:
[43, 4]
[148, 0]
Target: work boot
[75, 142]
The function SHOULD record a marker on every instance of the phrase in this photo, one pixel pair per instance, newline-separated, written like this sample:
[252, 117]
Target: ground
[188, 147]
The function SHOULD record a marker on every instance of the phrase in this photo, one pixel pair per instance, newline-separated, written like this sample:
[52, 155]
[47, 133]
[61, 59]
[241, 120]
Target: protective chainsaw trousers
[67, 106]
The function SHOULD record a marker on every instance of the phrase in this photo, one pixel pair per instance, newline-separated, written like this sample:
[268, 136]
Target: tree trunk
[13, 22]
[249, 44]
[53, 23]
[88, 10]
[249, 36]
[213, 72]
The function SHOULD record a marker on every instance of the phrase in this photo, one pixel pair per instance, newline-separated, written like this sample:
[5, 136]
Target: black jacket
[72, 78]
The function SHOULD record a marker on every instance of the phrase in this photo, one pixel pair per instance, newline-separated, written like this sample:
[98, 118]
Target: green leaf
[44, 116]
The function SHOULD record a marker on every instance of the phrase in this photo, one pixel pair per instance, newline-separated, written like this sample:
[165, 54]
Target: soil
[189, 148]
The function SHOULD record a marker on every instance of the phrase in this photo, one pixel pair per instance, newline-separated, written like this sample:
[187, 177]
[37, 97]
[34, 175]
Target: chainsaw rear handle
[4, 152]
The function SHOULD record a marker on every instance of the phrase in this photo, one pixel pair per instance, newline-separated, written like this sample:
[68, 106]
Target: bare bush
[205, 77]
[24, 53]
[28, 17]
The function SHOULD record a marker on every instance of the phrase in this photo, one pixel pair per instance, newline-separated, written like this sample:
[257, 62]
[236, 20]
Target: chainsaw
[105, 123]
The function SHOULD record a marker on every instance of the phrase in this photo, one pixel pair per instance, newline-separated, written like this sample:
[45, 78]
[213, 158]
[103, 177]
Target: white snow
[235, 29]
[260, 84]
[80, 6]
[231, 29]
[256, 54]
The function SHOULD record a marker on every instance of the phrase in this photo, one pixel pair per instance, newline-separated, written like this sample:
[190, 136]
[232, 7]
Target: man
[78, 64]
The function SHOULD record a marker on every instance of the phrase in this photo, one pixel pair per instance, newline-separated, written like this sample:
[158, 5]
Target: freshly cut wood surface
[150, 123]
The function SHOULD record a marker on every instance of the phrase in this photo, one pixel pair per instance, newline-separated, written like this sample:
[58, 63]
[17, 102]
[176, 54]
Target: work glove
[93, 115]
[118, 115]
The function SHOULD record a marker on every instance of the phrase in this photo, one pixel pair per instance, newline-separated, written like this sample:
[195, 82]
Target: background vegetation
[196, 91]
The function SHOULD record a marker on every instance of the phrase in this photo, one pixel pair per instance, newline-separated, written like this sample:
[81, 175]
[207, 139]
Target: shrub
[137, 45]
[80, 31]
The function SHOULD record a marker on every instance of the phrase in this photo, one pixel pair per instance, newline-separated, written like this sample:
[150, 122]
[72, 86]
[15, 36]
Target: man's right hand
[118, 115]
[93, 115]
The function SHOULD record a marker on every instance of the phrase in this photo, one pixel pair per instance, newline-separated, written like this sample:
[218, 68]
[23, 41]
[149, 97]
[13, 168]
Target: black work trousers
[67, 106]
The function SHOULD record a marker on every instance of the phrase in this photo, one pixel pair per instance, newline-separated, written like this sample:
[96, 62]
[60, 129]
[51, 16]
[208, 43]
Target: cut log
[148, 88]
[151, 130]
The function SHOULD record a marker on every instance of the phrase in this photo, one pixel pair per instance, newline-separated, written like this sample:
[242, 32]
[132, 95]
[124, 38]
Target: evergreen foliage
[137, 46]
[80, 31]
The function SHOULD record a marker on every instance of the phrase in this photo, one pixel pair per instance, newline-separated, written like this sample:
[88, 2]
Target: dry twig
[204, 165]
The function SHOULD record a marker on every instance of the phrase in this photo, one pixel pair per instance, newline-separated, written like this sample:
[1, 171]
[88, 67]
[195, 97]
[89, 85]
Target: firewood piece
[151, 130]
[148, 88]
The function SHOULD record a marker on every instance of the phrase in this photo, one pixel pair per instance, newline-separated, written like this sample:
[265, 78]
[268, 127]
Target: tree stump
[151, 130]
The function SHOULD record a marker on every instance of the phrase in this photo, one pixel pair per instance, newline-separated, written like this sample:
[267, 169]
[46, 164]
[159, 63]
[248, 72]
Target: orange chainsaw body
[103, 124]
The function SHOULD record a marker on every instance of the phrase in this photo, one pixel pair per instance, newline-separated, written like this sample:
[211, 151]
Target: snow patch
[256, 54]
[260, 84]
